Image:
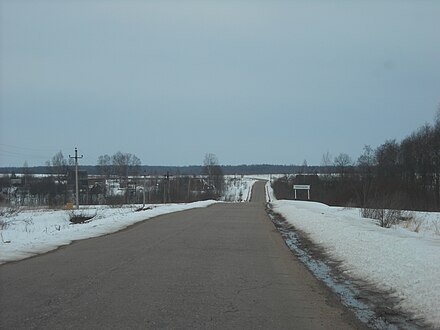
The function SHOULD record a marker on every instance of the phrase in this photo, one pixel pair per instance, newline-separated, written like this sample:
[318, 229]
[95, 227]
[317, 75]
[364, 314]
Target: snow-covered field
[398, 259]
[29, 232]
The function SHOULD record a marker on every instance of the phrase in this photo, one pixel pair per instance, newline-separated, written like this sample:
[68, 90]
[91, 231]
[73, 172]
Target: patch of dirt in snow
[373, 307]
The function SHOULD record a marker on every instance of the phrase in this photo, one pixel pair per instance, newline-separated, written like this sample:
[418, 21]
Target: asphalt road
[221, 267]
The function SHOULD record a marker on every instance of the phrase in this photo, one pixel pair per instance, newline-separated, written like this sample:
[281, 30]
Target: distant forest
[396, 175]
[183, 170]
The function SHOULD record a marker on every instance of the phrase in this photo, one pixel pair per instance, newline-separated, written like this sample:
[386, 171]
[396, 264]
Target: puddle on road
[350, 295]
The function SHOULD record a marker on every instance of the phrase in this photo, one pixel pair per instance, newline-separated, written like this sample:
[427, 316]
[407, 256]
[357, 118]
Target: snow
[396, 260]
[238, 188]
[404, 260]
[30, 232]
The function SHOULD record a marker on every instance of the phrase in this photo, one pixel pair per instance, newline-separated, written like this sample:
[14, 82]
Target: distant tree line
[397, 174]
[97, 170]
[119, 179]
[184, 170]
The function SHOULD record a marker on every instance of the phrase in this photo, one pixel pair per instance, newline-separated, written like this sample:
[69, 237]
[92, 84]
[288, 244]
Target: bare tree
[326, 159]
[387, 156]
[105, 165]
[209, 163]
[342, 161]
[214, 172]
[135, 165]
[367, 161]
[366, 164]
[437, 117]
[58, 167]
[125, 164]
[327, 164]
[304, 167]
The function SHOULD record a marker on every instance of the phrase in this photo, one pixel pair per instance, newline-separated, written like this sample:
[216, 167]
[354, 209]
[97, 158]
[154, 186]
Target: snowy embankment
[238, 188]
[28, 233]
[396, 260]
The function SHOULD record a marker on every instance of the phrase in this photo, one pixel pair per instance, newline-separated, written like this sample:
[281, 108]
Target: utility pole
[76, 157]
[166, 183]
[189, 188]
[143, 191]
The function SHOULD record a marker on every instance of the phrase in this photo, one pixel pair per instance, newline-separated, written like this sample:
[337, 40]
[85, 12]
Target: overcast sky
[275, 82]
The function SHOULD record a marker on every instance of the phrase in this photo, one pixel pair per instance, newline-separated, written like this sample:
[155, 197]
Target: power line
[13, 151]
[19, 154]
[20, 147]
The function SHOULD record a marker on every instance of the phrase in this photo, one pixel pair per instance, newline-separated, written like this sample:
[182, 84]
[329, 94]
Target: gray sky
[250, 81]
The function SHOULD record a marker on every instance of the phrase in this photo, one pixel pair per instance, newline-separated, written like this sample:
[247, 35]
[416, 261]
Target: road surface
[221, 267]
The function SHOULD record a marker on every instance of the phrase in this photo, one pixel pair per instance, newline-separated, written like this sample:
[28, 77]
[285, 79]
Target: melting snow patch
[395, 260]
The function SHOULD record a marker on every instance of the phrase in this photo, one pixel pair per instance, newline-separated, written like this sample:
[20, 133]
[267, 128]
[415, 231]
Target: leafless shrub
[436, 225]
[387, 210]
[9, 211]
[387, 217]
[80, 216]
[417, 224]
[28, 224]
[3, 224]
[411, 222]
[5, 213]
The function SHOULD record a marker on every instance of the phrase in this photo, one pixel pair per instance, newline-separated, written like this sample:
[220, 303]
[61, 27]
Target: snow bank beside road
[28, 233]
[395, 259]
[238, 188]
[33, 232]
